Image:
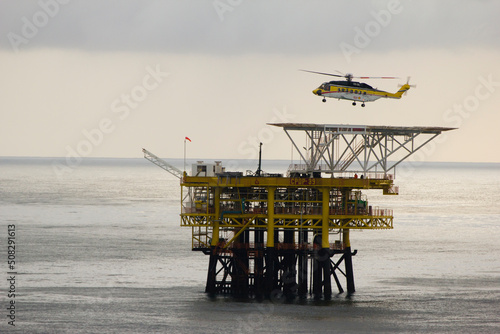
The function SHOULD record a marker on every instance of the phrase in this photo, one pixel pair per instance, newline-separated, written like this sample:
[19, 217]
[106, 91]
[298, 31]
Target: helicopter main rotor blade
[376, 77]
[333, 75]
[348, 76]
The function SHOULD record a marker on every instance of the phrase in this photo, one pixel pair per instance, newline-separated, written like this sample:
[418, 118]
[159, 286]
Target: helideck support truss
[356, 148]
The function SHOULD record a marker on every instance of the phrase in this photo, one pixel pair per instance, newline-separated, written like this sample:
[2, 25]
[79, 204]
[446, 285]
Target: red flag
[188, 139]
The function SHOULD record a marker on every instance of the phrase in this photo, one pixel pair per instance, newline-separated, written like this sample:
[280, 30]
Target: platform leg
[289, 270]
[302, 264]
[212, 270]
[317, 282]
[259, 264]
[269, 274]
[348, 262]
[240, 267]
[348, 270]
[327, 284]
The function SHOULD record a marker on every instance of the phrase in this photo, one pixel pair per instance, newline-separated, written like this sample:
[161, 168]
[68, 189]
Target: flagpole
[185, 138]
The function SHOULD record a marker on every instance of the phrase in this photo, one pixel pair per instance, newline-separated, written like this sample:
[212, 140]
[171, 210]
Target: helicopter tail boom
[401, 91]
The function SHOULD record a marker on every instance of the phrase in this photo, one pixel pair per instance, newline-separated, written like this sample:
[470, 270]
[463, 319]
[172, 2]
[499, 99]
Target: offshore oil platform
[272, 235]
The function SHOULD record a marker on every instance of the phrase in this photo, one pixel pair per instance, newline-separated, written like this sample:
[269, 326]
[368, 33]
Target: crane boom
[162, 163]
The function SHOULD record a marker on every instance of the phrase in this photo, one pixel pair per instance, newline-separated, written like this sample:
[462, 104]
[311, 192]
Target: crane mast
[162, 164]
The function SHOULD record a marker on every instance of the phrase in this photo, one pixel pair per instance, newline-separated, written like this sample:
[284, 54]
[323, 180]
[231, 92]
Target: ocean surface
[99, 249]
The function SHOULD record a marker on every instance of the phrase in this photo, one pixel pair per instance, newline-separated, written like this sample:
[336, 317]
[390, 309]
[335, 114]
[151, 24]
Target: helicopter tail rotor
[408, 84]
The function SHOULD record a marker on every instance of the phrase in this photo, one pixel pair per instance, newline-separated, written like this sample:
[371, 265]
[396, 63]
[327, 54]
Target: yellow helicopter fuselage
[355, 91]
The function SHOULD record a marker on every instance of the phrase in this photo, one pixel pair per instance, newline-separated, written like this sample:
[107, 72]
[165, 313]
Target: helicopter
[356, 91]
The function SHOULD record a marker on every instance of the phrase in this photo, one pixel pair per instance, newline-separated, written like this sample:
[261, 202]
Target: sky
[107, 78]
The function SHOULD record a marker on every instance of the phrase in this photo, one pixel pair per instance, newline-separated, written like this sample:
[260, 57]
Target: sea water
[99, 248]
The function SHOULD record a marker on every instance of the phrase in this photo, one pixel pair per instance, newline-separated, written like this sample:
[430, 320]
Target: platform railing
[197, 244]
[370, 211]
[303, 168]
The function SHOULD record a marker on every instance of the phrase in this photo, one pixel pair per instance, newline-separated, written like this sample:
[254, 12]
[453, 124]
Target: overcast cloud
[220, 27]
